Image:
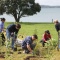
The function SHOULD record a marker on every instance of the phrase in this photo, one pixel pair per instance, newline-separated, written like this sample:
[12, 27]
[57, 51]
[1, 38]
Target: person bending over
[12, 31]
[28, 44]
[46, 37]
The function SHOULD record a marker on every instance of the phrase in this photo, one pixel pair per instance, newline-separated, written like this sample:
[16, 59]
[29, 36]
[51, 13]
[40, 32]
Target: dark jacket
[57, 26]
[12, 28]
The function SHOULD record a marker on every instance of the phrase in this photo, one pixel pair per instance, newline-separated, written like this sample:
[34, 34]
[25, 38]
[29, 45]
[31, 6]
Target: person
[12, 31]
[28, 45]
[46, 37]
[2, 29]
[57, 25]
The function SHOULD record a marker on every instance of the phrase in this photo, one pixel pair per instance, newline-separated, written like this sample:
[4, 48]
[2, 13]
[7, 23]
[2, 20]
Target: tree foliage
[19, 8]
[2, 7]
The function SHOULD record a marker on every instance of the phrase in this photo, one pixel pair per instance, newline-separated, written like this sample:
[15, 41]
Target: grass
[38, 28]
[28, 29]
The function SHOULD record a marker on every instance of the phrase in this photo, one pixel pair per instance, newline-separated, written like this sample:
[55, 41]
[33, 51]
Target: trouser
[8, 34]
[58, 40]
[13, 38]
[43, 43]
[13, 41]
[3, 38]
[32, 46]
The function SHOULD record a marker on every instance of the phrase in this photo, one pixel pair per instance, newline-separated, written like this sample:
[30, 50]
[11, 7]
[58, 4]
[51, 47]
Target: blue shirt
[1, 26]
[27, 41]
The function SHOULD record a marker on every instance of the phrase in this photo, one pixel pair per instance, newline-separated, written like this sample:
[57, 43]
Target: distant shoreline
[47, 6]
[32, 22]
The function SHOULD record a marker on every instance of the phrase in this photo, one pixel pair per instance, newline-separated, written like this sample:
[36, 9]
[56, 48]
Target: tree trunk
[16, 20]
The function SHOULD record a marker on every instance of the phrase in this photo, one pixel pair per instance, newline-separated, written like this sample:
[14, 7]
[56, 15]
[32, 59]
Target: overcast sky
[48, 2]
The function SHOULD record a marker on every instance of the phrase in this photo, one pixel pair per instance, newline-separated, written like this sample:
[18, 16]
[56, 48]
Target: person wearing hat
[11, 31]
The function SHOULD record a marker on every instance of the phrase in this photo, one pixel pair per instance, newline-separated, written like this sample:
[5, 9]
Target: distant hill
[47, 6]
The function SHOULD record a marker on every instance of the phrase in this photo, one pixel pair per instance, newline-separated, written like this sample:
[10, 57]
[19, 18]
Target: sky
[48, 2]
[41, 2]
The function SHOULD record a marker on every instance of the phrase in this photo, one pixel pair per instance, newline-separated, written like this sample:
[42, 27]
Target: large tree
[19, 8]
[2, 7]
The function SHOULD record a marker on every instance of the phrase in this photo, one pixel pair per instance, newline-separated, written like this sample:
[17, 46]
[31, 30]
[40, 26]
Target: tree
[19, 8]
[2, 7]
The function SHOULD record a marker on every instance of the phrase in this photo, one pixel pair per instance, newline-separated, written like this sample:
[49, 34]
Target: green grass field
[28, 29]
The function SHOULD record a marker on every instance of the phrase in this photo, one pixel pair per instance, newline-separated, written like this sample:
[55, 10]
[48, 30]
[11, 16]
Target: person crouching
[46, 37]
[27, 44]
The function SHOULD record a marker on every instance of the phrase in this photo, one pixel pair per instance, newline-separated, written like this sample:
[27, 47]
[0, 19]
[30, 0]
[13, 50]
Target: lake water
[45, 15]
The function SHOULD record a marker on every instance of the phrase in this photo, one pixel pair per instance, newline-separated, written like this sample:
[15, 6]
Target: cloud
[48, 2]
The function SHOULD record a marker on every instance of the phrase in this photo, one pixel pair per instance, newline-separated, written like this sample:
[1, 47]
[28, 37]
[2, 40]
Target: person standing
[57, 25]
[2, 29]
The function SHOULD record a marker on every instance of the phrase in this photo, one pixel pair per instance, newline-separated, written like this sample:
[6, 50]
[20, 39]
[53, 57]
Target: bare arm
[29, 48]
